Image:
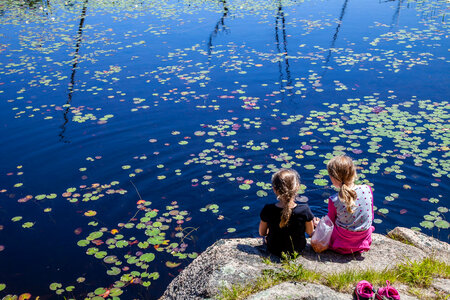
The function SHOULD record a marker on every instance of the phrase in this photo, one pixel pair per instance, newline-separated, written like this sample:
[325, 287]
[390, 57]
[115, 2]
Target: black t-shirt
[291, 237]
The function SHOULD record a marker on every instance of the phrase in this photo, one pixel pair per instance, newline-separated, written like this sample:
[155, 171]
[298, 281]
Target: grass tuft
[346, 281]
[238, 292]
[421, 273]
[399, 238]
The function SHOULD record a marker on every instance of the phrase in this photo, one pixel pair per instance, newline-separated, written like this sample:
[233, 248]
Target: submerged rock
[231, 262]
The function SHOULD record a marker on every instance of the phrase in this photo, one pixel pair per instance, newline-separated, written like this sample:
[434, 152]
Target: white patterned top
[362, 217]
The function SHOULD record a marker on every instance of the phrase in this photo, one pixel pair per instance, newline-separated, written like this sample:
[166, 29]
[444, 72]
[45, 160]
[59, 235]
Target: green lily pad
[427, 224]
[244, 186]
[100, 291]
[147, 257]
[113, 271]
[27, 224]
[442, 209]
[54, 286]
[261, 193]
[442, 224]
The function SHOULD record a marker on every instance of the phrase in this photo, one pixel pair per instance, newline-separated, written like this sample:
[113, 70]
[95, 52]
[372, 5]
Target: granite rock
[299, 291]
[385, 253]
[230, 262]
[431, 246]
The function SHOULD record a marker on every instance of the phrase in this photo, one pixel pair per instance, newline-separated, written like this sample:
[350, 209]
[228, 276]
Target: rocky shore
[240, 262]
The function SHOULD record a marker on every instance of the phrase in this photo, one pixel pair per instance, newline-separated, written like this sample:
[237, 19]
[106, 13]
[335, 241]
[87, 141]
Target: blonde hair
[286, 183]
[343, 170]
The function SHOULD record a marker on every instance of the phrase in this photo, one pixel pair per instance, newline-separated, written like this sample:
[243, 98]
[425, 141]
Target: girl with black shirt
[284, 223]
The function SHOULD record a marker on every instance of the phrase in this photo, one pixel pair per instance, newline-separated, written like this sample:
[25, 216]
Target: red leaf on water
[105, 294]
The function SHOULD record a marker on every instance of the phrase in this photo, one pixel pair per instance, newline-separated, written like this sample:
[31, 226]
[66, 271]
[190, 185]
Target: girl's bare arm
[263, 228]
[309, 228]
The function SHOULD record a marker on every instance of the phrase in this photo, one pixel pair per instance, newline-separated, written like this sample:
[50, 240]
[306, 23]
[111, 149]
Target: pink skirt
[346, 242]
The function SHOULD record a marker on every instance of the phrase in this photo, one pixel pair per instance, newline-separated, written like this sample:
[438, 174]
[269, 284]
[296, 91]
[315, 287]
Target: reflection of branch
[186, 235]
[220, 26]
[396, 15]
[333, 42]
[74, 68]
[281, 18]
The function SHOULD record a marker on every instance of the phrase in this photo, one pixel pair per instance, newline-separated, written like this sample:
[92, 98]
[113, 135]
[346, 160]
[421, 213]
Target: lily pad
[443, 224]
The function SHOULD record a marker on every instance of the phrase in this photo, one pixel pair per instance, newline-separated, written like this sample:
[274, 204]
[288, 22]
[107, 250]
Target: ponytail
[348, 197]
[286, 183]
[343, 170]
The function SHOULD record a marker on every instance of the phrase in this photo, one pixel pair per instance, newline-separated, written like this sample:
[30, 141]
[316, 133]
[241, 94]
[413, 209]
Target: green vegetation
[399, 238]
[414, 274]
[421, 273]
[290, 271]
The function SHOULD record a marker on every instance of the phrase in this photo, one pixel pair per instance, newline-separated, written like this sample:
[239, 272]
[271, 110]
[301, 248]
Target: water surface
[137, 133]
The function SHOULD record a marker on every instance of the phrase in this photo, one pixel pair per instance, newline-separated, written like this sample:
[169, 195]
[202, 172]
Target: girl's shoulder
[271, 206]
[334, 197]
[301, 207]
[362, 188]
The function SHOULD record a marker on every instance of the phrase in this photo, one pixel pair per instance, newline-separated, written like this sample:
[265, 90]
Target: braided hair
[286, 183]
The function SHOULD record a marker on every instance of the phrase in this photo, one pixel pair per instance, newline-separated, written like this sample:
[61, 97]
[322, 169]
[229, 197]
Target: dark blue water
[191, 106]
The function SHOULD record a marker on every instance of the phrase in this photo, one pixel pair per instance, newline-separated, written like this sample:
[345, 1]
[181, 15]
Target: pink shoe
[387, 293]
[363, 291]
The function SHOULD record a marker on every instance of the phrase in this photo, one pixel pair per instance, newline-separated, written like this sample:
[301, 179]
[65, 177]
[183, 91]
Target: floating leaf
[90, 213]
[244, 186]
[261, 193]
[148, 257]
[100, 291]
[384, 211]
[442, 209]
[443, 224]
[27, 224]
[113, 271]
[25, 296]
[427, 224]
[115, 292]
[170, 264]
[54, 286]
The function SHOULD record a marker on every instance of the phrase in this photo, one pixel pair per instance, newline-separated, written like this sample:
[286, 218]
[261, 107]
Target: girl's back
[362, 216]
[291, 237]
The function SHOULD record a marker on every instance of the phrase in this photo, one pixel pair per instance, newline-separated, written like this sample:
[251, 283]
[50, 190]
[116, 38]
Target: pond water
[137, 133]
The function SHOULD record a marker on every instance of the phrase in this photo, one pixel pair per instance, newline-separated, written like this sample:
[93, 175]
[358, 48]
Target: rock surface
[384, 253]
[431, 246]
[226, 262]
[240, 261]
[298, 291]
[442, 285]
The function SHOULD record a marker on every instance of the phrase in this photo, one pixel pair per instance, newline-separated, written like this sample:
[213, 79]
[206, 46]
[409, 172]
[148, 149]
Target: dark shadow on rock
[330, 256]
[260, 250]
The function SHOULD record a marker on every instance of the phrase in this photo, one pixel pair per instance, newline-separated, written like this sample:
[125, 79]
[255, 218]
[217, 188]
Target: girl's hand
[316, 221]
